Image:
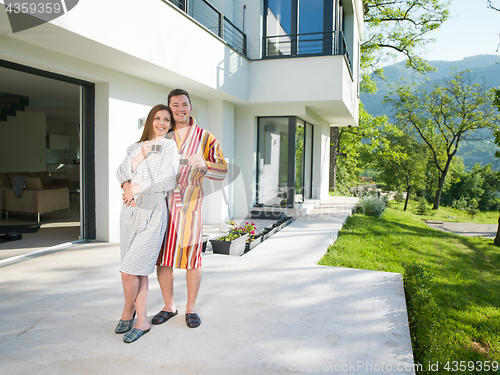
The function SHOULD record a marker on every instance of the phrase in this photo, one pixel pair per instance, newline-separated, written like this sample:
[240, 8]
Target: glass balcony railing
[204, 12]
[331, 43]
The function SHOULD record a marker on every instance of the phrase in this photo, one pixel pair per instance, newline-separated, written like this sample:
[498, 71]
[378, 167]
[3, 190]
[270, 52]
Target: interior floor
[56, 228]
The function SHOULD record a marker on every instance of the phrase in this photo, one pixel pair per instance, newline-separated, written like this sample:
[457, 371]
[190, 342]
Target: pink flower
[252, 232]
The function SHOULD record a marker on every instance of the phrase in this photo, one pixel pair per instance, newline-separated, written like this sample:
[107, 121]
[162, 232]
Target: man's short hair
[177, 92]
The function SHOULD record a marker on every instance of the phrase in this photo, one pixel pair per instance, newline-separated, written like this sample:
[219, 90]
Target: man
[200, 156]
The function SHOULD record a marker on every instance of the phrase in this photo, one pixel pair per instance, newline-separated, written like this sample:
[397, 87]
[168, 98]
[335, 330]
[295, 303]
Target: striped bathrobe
[142, 228]
[183, 242]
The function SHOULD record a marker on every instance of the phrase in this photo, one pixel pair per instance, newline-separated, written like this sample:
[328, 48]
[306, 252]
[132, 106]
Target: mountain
[485, 69]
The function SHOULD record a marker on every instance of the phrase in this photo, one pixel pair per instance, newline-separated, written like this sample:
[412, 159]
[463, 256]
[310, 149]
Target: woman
[151, 166]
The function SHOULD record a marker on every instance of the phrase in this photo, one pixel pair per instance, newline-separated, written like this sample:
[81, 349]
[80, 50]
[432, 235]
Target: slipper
[125, 325]
[134, 335]
[193, 320]
[163, 316]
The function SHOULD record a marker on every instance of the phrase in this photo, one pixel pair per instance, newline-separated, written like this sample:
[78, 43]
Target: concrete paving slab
[269, 312]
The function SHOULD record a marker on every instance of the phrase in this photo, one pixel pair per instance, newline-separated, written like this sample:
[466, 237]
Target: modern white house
[267, 77]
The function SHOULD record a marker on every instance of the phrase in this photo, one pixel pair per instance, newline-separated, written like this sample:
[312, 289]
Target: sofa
[44, 176]
[42, 194]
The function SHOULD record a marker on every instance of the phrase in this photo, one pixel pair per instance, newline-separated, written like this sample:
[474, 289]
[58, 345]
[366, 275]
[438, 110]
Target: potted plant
[253, 237]
[252, 241]
[284, 222]
[265, 233]
[232, 243]
[273, 228]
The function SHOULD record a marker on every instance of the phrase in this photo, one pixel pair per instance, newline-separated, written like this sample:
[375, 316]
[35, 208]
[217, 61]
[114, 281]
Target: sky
[472, 29]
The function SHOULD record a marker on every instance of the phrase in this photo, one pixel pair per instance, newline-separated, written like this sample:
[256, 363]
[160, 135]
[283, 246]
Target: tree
[398, 27]
[491, 5]
[496, 102]
[401, 160]
[343, 175]
[335, 135]
[352, 146]
[480, 184]
[392, 27]
[444, 117]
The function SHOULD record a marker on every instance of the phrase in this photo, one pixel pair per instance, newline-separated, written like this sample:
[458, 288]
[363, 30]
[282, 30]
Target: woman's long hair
[148, 132]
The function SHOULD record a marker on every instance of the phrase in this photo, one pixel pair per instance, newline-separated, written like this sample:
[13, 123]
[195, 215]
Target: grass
[463, 283]
[450, 214]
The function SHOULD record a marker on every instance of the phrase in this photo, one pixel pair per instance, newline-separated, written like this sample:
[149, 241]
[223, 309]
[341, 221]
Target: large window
[303, 27]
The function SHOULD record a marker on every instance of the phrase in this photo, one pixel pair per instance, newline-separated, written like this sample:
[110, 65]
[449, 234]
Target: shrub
[421, 207]
[399, 197]
[459, 204]
[371, 206]
[470, 206]
[385, 198]
[472, 209]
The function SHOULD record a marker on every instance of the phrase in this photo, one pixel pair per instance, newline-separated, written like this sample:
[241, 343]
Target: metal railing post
[221, 25]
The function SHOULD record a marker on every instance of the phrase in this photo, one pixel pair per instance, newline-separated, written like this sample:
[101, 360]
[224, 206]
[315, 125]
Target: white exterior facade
[136, 52]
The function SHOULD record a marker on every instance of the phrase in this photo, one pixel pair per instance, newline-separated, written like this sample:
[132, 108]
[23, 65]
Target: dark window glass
[310, 27]
[279, 17]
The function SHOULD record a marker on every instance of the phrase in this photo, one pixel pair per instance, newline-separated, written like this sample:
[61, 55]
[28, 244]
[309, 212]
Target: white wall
[144, 42]
[27, 154]
[321, 82]
[321, 162]
[226, 7]
[128, 100]
[253, 25]
[220, 122]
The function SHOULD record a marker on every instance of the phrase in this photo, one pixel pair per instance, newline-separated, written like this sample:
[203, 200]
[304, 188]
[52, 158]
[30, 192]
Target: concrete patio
[271, 311]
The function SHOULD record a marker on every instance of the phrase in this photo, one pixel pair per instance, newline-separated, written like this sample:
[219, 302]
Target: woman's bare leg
[141, 304]
[130, 289]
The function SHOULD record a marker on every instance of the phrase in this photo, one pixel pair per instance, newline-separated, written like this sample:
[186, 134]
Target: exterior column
[217, 205]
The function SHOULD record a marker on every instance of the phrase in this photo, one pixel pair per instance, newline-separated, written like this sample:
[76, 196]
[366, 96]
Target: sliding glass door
[284, 161]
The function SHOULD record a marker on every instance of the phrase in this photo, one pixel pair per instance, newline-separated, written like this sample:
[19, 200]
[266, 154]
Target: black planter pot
[284, 222]
[205, 240]
[235, 247]
[250, 245]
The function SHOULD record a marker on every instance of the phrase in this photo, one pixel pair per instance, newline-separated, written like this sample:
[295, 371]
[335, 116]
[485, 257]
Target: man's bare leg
[165, 276]
[193, 280]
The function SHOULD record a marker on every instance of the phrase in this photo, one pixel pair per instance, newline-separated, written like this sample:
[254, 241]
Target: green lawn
[454, 308]
[450, 214]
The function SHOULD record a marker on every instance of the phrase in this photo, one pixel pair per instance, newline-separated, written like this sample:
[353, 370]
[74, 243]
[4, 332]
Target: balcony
[203, 12]
[310, 44]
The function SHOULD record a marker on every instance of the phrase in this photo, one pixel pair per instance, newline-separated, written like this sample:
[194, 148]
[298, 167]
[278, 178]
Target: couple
[161, 220]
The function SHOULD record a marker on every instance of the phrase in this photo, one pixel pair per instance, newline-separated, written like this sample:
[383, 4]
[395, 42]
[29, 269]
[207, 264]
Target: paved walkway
[271, 311]
[466, 229]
